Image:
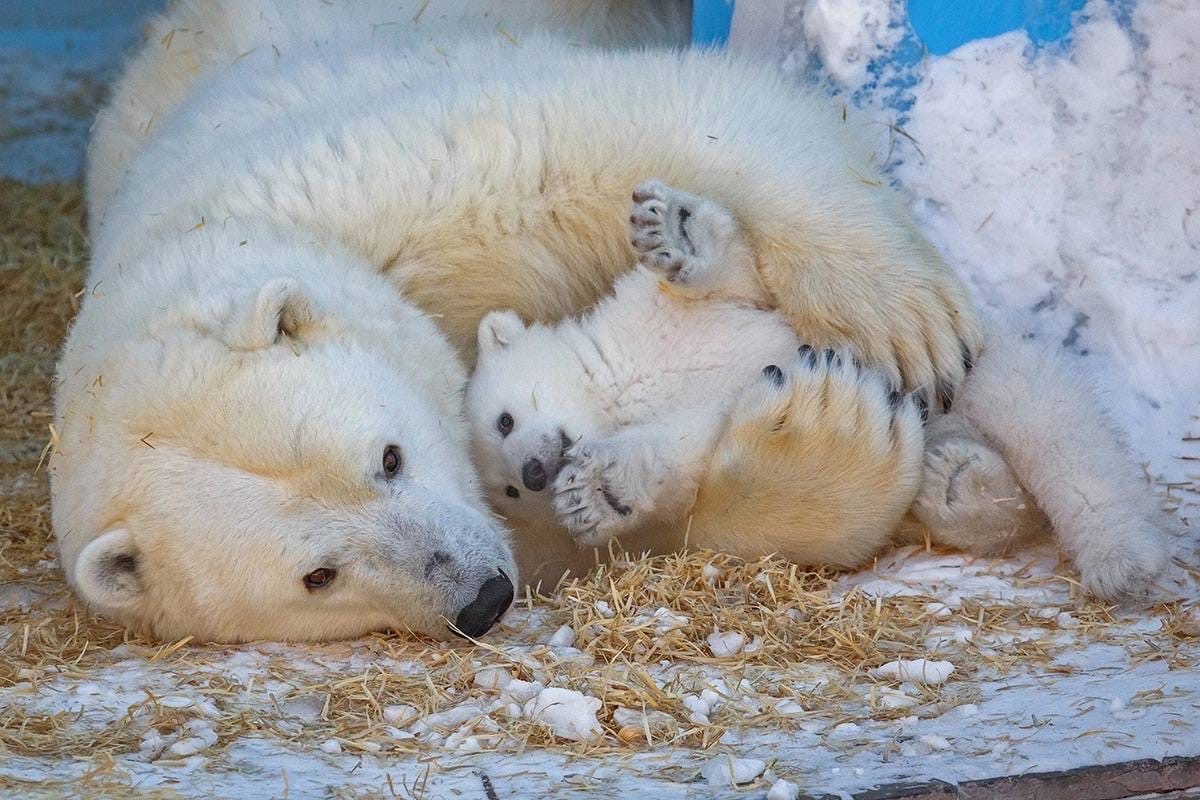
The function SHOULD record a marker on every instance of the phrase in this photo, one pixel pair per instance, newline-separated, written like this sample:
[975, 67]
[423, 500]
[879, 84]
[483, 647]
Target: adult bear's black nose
[533, 475]
[495, 596]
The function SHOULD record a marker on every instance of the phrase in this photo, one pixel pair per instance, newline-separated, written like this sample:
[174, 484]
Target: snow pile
[847, 38]
[1061, 182]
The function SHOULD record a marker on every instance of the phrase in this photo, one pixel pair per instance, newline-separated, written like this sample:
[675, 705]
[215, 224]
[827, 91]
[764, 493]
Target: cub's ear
[281, 310]
[498, 329]
[108, 570]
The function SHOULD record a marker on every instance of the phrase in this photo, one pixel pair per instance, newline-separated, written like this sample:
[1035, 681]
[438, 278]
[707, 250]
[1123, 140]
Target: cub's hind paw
[676, 234]
[971, 500]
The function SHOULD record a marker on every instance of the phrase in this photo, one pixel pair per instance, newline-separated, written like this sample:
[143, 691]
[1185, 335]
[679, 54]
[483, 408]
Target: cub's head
[277, 454]
[528, 401]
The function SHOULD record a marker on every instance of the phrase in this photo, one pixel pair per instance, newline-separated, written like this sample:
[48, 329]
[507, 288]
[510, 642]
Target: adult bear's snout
[494, 598]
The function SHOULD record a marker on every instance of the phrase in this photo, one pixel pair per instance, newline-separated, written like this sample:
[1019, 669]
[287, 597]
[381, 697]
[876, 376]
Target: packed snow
[1063, 182]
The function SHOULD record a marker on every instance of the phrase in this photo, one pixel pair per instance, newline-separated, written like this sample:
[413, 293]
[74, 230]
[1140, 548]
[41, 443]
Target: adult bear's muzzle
[478, 617]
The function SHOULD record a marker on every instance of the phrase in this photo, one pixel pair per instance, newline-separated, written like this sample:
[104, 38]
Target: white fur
[640, 388]
[1039, 412]
[344, 170]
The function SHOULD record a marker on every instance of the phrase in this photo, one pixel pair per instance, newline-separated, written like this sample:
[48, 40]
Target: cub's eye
[319, 578]
[392, 461]
[504, 423]
[512, 492]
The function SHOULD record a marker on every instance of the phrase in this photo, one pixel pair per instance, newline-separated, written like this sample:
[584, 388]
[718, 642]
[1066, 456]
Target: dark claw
[945, 394]
[831, 357]
[968, 358]
[894, 399]
[922, 401]
[774, 374]
[808, 356]
[616, 504]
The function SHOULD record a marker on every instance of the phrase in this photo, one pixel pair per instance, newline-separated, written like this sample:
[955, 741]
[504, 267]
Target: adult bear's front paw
[590, 494]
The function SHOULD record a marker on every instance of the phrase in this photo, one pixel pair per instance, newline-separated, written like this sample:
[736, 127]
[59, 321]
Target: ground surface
[1063, 183]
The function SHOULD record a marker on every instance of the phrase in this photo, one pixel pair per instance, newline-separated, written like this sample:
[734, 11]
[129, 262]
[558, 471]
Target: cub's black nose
[495, 596]
[533, 475]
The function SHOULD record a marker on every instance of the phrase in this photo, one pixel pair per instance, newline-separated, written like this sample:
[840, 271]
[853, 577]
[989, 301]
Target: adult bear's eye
[319, 578]
[391, 461]
[504, 423]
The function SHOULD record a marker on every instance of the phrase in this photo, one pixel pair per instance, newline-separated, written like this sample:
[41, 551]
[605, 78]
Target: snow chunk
[332, 747]
[449, 719]
[783, 790]
[563, 637]
[730, 771]
[664, 619]
[788, 706]
[568, 714]
[697, 708]
[493, 678]
[920, 671]
[400, 715]
[726, 644]
[935, 743]
[202, 736]
[519, 691]
[891, 698]
[846, 730]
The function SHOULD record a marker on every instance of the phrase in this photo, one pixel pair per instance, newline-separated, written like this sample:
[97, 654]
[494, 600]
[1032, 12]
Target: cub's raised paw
[678, 235]
[591, 497]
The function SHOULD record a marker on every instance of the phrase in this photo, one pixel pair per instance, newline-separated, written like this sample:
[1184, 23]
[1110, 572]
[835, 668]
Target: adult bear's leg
[1040, 414]
[818, 464]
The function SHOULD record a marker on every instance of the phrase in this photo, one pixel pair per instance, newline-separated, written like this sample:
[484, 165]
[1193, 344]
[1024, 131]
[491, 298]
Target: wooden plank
[1101, 782]
[1174, 778]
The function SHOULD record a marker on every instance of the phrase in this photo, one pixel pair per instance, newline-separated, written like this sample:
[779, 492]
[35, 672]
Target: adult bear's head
[259, 439]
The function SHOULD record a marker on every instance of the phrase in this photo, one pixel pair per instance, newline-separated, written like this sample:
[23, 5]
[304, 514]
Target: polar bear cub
[607, 423]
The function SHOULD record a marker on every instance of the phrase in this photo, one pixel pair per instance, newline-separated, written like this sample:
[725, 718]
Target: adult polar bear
[301, 210]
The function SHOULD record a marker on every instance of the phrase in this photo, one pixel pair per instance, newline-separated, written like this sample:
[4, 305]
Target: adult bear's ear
[281, 311]
[108, 570]
[498, 329]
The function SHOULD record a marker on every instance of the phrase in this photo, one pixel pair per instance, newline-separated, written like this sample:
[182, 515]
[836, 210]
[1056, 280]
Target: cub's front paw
[591, 497]
[677, 234]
